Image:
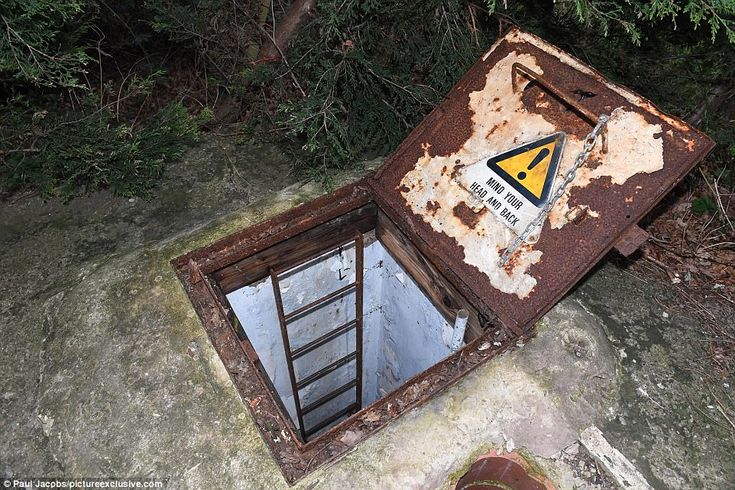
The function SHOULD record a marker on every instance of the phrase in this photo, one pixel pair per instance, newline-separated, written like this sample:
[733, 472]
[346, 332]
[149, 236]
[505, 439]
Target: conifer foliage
[99, 94]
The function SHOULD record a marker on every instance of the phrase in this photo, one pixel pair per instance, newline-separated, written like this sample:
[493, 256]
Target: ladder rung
[331, 419]
[324, 371]
[332, 248]
[329, 396]
[317, 302]
[331, 335]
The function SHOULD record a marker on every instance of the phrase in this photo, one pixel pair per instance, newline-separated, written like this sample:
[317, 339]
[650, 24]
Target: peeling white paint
[633, 148]
[491, 119]
[501, 122]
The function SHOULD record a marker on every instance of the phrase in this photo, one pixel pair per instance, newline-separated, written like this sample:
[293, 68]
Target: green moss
[545, 381]
[533, 465]
[577, 394]
[465, 466]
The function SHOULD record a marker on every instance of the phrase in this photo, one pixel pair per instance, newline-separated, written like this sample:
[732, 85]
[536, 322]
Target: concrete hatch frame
[419, 208]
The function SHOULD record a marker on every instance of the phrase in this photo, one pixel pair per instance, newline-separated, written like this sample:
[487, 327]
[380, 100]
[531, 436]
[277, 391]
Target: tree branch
[298, 11]
[715, 98]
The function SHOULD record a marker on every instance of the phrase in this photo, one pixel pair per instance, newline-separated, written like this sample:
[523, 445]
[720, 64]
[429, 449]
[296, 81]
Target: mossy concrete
[106, 370]
[667, 421]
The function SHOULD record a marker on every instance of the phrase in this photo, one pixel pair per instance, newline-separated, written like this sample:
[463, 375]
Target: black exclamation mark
[540, 156]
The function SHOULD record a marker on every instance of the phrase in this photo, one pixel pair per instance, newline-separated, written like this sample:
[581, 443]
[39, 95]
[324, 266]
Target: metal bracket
[631, 240]
[586, 114]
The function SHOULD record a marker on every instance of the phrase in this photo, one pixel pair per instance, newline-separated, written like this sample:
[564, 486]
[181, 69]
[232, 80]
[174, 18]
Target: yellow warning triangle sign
[531, 168]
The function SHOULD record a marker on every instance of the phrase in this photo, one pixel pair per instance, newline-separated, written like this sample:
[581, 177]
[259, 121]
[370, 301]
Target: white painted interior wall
[403, 333]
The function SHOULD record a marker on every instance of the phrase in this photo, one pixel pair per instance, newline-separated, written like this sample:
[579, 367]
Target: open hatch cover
[473, 175]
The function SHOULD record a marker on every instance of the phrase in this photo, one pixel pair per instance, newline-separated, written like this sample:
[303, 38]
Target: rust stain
[495, 128]
[466, 215]
[457, 169]
[555, 111]
[432, 206]
[526, 115]
[642, 139]
[517, 36]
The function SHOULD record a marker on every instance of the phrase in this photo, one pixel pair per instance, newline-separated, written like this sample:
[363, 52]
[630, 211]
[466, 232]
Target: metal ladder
[292, 354]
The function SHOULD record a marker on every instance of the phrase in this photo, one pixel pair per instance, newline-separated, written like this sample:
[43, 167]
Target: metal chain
[589, 143]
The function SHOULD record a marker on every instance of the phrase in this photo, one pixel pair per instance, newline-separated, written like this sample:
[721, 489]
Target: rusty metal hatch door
[522, 90]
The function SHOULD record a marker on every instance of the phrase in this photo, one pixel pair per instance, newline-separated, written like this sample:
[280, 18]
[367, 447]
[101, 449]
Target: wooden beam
[298, 12]
[294, 250]
[435, 286]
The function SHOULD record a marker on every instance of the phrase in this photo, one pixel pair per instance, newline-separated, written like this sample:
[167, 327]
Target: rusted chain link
[589, 143]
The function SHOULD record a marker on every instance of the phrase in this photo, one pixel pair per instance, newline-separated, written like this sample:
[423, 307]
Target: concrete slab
[107, 372]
